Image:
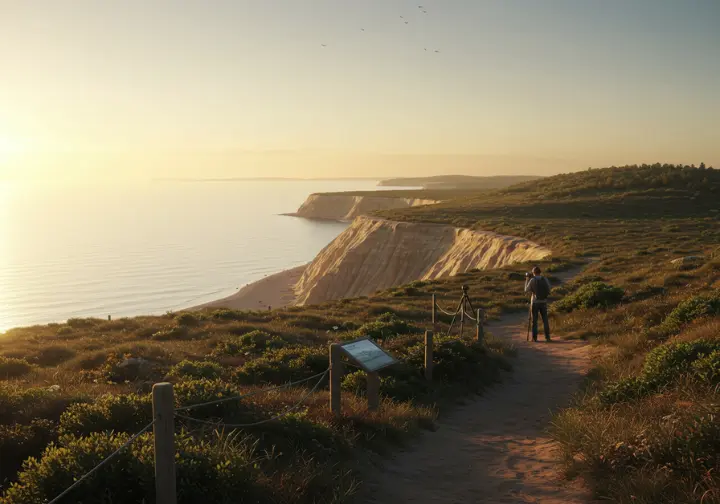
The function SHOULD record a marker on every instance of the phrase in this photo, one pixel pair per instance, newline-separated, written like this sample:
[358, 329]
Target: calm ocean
[93, 251]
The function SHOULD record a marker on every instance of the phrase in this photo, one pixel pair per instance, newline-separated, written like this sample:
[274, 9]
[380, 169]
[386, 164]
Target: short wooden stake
[480, 333]
[109, 317]
[164, 433]
[428, 355]
[373, 391]
[336, 373]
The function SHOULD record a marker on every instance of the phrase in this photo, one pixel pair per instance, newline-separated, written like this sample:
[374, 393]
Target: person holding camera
[540, 288]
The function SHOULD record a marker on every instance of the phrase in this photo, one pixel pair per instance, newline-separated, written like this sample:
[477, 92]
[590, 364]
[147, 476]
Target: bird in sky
[323, 45]
[436, 50]
[407, 22]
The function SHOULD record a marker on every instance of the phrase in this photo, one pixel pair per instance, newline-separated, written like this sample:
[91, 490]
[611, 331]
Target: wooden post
[434, 313]
[336, 373]
[428, 355]
[164, 433]
[109, 318]
[480, 334]
[373, 391]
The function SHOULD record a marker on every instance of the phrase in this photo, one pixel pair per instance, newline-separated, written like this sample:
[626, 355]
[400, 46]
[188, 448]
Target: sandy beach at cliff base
[274, 291]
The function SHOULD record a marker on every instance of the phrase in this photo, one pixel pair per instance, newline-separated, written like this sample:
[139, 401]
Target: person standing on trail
[540, 288]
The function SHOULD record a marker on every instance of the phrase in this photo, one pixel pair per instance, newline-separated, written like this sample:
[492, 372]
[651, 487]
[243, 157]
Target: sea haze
[93, 251]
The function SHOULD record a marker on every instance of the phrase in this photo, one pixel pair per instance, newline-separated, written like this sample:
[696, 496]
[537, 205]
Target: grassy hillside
[433, 194]
[646, 429]
[458, 181]
[72, 392]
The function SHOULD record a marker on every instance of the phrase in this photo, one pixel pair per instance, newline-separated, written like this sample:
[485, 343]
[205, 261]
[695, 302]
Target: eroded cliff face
[345, 207]
[375, 254]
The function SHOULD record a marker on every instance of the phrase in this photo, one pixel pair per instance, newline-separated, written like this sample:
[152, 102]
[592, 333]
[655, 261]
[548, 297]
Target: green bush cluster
[283, 365]
[24, 405]
[20, 441]
[699, 359]
[591, 295]
[109, 412]
[206, 472]
[197, 369]
[387, 326]
[692, 308]
[252, 342]
[12, 368]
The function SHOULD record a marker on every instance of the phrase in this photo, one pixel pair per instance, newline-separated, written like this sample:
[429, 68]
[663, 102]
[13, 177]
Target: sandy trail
[495, 449]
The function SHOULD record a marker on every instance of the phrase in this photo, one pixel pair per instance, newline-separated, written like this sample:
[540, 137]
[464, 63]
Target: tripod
[529, 320]
[464, 301]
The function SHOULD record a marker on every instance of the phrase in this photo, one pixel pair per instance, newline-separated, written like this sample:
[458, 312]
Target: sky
[318, 88]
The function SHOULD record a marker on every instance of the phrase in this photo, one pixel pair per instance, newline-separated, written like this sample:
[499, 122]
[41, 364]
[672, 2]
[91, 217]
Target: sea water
[87, 250]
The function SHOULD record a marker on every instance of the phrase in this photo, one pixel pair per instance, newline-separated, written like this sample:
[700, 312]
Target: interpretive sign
[368, 355]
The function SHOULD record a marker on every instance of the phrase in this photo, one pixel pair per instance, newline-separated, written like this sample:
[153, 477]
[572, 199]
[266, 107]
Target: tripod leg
[453, 319]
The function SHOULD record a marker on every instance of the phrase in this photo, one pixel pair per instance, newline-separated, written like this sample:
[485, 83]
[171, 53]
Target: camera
[527, 275]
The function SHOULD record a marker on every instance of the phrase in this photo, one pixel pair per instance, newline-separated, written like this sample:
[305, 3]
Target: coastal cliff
[344, 207]
[375, 254]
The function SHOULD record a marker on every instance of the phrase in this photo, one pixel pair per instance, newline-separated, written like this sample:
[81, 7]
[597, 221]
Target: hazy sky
[245, 88]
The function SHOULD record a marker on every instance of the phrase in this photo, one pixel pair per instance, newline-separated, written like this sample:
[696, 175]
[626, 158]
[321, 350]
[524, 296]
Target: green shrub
[691, 309]
[187, 319]
[591, 295]
[109, 412]
[18, 442]
[206, 472]
[25, 405]
[172, 333]
[192, 392]
[387, 326]
[251, 342]
[707, 368]
[12, 368]
[119, 368]
[663, 366]
[197, 369]
[284, 365]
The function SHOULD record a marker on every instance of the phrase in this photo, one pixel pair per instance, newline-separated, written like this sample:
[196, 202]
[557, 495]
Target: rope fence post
[164, 433]
[336, 373]
[428, 355]
[434, 314]
[373, 391]
[480, 333]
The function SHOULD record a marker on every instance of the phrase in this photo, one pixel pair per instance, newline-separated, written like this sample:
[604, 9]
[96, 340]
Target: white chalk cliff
[375, 254]
[343, 207]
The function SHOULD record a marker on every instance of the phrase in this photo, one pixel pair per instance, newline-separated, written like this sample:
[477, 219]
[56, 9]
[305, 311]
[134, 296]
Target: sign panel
[368, 355]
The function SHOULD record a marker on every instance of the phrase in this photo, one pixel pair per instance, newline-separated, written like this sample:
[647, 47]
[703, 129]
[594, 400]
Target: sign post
[369, 357]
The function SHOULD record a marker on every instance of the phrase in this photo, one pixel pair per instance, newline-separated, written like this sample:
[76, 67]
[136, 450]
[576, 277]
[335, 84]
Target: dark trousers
[540, 309]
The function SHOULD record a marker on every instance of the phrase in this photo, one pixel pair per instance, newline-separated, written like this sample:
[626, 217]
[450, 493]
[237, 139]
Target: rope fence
[165, 412]
[175, 412]
[105, 461]
[465, 310]
[254, 424]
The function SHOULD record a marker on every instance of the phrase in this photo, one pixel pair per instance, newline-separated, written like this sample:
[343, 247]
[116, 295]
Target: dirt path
[494, 450]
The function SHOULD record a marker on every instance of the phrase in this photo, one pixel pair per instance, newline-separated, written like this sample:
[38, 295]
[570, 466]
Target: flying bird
[323, 45]
[436, 50]
[406, 22]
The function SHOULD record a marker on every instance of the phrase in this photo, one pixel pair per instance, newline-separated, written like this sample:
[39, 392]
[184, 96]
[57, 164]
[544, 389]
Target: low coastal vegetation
[644, 429]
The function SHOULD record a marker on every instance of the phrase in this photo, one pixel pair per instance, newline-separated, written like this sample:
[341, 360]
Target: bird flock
[406, 21]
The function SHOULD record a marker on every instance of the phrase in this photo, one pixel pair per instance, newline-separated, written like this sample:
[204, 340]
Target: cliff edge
[375, 254]
[344, 207]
